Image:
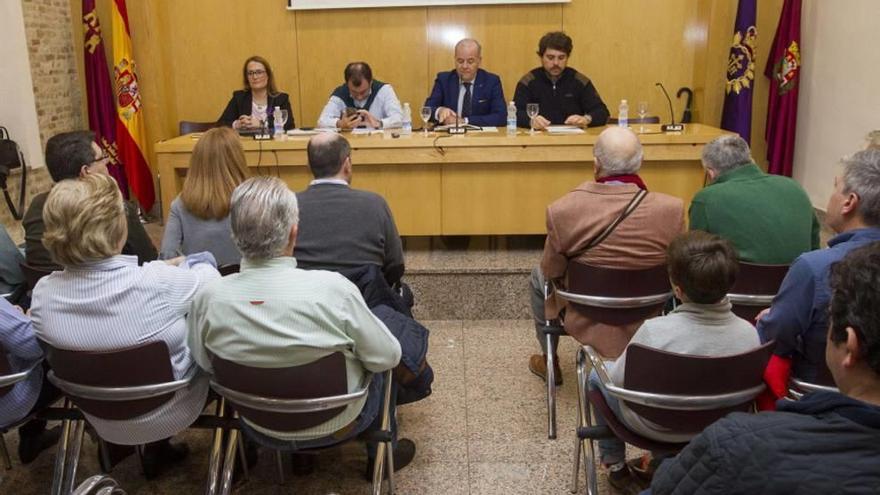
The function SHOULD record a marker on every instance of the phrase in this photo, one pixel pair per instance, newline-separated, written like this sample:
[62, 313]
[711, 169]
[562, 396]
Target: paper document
[564, 129]
[303, 132]
[365, 131]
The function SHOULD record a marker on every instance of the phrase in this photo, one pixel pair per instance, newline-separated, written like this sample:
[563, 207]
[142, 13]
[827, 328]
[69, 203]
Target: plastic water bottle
[407, 119]
[623, 114]
[279, 127]
[511, 119]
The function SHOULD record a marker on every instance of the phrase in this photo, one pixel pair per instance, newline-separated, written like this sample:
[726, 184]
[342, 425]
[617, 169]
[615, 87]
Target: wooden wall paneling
[508, 34]
[769, 12]
[625, 46]
[710, 64]
[392, 41]
[207, 56]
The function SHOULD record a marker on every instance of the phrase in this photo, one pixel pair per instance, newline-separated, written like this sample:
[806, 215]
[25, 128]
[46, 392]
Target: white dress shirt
[385, 107]
[113, 304]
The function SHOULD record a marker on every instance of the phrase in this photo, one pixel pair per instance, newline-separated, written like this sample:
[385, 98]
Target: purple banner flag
[737, 114]
[99, 93]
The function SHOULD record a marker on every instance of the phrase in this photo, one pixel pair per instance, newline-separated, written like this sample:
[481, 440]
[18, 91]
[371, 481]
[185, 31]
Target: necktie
[466, 101]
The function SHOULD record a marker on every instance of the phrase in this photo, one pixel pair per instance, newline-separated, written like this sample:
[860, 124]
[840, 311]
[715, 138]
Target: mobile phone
[349, 111]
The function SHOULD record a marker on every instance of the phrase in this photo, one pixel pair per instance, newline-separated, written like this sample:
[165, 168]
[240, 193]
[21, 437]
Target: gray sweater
[188, 234]
[695, 329]
[341, 227]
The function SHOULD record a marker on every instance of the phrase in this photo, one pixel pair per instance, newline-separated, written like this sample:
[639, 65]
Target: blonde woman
[199, 217]
[104, 301]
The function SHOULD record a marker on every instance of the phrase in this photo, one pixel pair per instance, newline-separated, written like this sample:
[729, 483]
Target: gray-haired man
[768, 218]
[274, 315]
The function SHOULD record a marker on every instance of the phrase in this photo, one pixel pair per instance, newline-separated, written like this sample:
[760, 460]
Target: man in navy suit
[468, 94]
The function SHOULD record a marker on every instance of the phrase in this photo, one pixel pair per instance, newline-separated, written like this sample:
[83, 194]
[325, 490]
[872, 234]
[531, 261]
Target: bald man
[340, 227]
[579, 217]
[468, 94]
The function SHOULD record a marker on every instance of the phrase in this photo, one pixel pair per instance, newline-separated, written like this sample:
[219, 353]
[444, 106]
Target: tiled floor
[483, 431]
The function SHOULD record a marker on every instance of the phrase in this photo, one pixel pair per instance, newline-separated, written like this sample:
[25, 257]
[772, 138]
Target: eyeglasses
[103, 158]
[255, 73]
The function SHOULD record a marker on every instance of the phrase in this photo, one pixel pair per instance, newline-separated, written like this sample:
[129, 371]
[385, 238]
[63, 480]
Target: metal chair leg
[216, 450]
[586, 420]
[551, 387]
[378, 465]
[242, 457]
[279, 458]
[61, 454]
[7, 461]
[78, 429]
[390, 461]
[229, 462]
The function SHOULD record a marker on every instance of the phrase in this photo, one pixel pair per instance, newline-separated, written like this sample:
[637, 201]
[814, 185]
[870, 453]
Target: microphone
[672, 126]
[458, 129]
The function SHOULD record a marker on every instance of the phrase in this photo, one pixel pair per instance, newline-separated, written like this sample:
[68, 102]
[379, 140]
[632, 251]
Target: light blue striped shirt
[114, 304]
[22, 351]
[274, 315]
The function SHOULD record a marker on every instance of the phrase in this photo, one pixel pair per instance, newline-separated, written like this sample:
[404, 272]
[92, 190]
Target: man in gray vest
[361, 102]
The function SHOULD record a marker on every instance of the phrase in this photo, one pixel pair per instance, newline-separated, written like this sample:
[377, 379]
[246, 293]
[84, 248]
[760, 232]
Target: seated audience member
[826, 442]
[639, 241]
[11, 278]
[702, 268]
[253, 106]
[798, 317]
[361, 102]
[343, 227]
[70, 155]
[301, 316]
[768, 218]
[564, 95]
[104, 301]
[34, 393]
[199, 217]
[468, 94]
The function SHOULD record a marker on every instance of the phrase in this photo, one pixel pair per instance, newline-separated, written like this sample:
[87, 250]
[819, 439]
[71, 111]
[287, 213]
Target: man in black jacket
[564, 95]
[70, 155]
[826, 442]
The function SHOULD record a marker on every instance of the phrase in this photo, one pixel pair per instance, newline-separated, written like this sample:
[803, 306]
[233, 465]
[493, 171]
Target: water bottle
[407, 119]
[511, 119]
[623, 114]
[279, 127]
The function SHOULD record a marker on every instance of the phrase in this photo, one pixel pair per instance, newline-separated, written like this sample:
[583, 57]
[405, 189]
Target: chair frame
[550, 333]
[384, 452]
[6, 381]
[587, 432]
[754, 300]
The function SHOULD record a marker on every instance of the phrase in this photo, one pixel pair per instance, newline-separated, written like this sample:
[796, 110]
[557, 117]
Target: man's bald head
[327, 153]
[617, 152]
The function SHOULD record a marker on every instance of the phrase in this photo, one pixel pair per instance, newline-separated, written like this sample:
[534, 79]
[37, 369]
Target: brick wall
[57, 90]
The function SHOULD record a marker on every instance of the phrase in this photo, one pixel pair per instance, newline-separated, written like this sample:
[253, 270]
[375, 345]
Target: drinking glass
[532, 112]
[426, 115]
[643, 111]
[282, 119]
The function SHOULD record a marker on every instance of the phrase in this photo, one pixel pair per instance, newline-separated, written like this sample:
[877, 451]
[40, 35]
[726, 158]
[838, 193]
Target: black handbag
[11, 158]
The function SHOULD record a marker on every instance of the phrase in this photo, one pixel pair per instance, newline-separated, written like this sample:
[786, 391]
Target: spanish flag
[130, 130]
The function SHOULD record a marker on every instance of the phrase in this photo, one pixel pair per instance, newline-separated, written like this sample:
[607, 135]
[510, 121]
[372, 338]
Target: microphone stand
[671, 127]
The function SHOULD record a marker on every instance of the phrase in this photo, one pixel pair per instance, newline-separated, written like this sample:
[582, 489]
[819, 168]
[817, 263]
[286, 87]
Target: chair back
[319, 379]
[755, 287]
[615, 296]
[188, 126]
[144, 365]
[666, 373]
[32, 275]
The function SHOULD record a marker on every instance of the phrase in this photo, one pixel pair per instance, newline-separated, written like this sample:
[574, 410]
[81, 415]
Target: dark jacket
[241, 103]
[825, 443]
[572, 94]
[413, 374]
[138, 242]
[488, 107]
[342, 228]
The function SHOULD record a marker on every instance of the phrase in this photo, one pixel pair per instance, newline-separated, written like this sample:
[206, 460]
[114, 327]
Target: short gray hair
[618, 152]
[861, 175]
[468, 41]
[262, 212]
[726, 153]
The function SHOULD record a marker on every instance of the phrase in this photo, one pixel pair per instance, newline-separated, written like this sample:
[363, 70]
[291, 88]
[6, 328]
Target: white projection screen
[363, 4]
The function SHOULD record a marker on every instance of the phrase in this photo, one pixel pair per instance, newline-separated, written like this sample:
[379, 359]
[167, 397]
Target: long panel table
[476, 184]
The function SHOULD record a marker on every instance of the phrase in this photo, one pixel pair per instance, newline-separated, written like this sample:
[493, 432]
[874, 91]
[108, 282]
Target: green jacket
[768, 218]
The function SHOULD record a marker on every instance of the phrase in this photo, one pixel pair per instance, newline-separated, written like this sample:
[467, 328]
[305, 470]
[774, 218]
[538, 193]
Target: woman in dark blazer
[248, 108]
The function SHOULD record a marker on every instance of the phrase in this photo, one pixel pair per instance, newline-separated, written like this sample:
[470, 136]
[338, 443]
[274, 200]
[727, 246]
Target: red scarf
[626, 178]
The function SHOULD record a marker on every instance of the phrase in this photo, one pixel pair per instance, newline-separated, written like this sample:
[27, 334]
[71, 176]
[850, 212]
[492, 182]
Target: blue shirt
[22, 351]
[798, 317]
